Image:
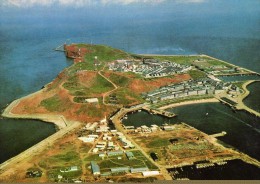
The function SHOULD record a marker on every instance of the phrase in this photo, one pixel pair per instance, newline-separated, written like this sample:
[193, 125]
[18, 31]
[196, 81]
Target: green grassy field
[197, 74]
[185, 60]
[99, 85]
[158, 142]
[119, 80]
[55, 104]
[111, 162]
[126, 96]
[104, 54]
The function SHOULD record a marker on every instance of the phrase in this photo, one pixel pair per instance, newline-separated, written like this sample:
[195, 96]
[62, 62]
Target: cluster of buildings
[185, 89]
[152, 128]
[125, 142]
[98, 127]
[149, 68]
[123, 169]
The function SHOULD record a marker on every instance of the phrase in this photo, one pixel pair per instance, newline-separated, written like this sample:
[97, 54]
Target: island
[88, 101]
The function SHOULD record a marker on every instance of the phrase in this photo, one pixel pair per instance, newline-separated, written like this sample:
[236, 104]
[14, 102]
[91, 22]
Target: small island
[88, 100]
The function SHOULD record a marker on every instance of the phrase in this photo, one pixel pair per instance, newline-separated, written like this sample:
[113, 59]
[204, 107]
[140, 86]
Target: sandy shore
[210, 100]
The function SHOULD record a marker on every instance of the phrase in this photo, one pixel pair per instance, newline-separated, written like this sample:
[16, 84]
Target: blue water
[227, 30]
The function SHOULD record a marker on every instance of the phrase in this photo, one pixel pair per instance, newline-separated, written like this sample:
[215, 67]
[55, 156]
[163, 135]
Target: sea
[227, 30]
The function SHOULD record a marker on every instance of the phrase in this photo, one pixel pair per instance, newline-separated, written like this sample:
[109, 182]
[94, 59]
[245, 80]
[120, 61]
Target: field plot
[181, 146]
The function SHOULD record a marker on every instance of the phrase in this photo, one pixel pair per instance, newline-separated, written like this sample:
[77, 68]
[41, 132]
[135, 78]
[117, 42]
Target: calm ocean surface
[27, 59]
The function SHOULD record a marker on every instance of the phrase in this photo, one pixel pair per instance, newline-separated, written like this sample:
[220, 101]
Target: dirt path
[109, 92]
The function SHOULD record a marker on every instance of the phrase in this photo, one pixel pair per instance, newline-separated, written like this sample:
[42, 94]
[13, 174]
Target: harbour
[230, 170]
[240, 127]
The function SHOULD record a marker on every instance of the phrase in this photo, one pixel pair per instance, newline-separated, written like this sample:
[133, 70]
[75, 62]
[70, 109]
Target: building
[87, 139]
[129, 155]
[95, 150]
[102, 154]
[92, 127]
[115, 153]
[150, 173]
[168, 128]
[73, 168]
[91, 100]
[93, 136]
[119, 169]
[95, 168]
[139, 169]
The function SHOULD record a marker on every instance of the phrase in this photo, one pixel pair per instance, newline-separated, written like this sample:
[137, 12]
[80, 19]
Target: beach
[210, 100]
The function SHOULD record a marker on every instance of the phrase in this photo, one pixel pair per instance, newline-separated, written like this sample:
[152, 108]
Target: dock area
[160, 112]
[237, 103]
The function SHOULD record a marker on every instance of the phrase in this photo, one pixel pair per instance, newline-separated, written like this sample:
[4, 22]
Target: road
[117, 122]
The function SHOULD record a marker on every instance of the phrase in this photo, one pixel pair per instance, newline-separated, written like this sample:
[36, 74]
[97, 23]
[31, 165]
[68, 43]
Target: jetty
[160, 112]
[219, 134]
[60, 48]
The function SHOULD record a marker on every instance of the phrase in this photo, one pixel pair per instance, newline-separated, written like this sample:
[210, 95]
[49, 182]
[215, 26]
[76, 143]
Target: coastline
[210, 100]
[241, 105]
[64, 126]
[59, 121]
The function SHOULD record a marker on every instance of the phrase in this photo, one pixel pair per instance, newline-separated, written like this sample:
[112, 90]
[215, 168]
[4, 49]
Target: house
[95, 168]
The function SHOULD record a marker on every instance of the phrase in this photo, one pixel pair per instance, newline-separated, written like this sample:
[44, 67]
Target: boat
[207, 114]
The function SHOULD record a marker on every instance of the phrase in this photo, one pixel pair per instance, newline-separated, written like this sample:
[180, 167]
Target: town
[149, 68]
[190, 88]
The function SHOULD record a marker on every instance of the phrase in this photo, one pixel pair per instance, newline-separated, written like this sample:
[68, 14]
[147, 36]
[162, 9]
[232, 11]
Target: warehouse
[95, 168]
[119, 169]
[114, 153]
[129, 155]
[139, 169]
